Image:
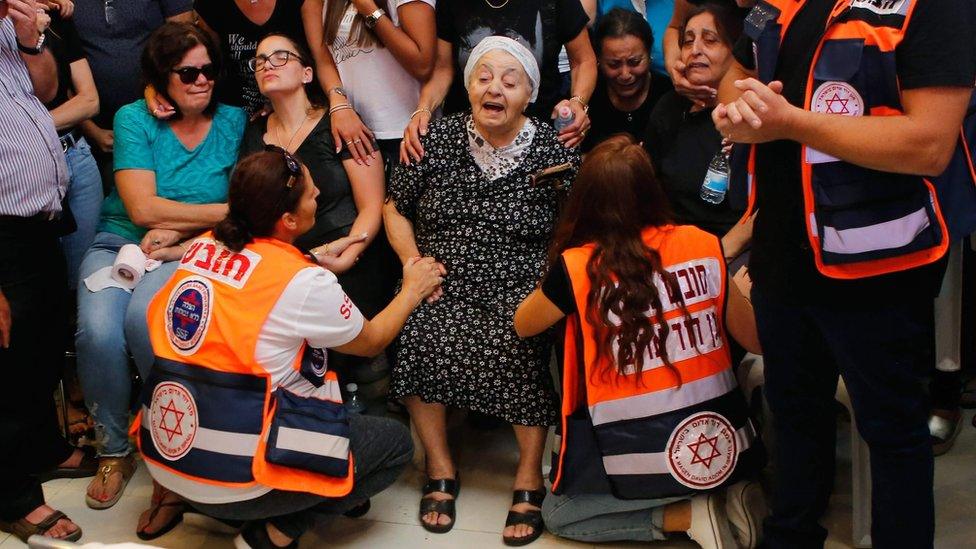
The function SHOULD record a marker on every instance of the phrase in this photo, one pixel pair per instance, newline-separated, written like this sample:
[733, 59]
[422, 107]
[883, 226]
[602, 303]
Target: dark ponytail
[259, 195]
[233, 233]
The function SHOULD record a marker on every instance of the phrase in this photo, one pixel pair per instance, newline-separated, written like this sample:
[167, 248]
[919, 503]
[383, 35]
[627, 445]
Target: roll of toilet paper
[129, 268]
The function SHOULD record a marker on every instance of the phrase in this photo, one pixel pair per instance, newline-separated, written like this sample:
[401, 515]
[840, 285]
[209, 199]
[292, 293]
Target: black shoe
[358, 510]
[254, 535]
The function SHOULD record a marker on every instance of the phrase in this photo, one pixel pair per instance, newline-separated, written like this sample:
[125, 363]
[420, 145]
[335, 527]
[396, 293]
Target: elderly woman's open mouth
[493, 107]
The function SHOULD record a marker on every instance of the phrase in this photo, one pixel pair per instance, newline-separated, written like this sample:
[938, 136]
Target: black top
[336, 209]
[65, 46]
[937, 51]
[681, 144]
[239, 39]
[606, 120]
[541, 25]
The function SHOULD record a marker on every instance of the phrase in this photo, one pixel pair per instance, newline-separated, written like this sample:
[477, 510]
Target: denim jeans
[111, 325]
[601, 518]
[884, 352]
[85, 200]
[381, 447]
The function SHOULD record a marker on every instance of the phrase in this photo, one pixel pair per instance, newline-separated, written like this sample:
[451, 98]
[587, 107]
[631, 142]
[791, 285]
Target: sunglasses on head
[294, 168]
[189, 75]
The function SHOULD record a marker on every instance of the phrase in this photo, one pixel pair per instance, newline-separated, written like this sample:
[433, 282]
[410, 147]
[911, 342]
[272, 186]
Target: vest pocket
[309, 434]
[869, 215]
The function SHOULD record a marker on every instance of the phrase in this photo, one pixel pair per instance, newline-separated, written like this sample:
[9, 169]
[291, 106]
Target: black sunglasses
[189, 75]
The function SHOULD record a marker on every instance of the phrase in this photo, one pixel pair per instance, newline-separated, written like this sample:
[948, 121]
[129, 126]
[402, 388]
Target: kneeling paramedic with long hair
[652, 416]
[240, 416]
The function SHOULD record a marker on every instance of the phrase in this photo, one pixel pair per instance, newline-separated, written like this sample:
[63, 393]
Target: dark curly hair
[257, 198]
[615, 197]
[165, 49]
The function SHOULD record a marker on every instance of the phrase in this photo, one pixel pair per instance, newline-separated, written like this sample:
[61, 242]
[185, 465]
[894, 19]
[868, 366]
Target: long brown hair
[359, 34]
[615, 197]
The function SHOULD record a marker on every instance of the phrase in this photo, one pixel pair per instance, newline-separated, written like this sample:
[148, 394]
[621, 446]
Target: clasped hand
[759, 115]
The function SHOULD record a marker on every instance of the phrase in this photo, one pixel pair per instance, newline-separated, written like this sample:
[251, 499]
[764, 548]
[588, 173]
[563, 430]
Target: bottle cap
[351, 387]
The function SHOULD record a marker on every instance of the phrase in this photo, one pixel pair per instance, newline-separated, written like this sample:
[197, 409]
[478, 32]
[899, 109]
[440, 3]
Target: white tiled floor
[487, 462]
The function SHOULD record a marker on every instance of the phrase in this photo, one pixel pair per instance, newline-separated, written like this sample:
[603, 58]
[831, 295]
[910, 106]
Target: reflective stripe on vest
[655, 436]
[860, 222]
[210, 421]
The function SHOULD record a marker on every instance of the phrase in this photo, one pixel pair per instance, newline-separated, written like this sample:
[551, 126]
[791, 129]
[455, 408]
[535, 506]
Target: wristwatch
[371, 19]
[339, 90]
[36, 50]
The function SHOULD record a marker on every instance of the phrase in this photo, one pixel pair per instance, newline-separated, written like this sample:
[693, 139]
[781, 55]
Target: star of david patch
[173, 420]
[702, 450]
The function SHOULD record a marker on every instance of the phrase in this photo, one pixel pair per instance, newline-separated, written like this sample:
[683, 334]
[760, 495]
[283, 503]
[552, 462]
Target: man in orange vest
[855, 104]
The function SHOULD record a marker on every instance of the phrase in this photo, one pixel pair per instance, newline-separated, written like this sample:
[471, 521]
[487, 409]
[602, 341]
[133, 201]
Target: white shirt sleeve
[326, 317]
[312, 308]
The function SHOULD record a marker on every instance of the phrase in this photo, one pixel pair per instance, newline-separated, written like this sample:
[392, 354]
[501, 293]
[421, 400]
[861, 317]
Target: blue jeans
[85, 200]
[883, 351]
[111, 325]
[601, 518]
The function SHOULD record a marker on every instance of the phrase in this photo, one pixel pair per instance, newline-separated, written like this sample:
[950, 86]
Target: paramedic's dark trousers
[883, 352]
[32, 278]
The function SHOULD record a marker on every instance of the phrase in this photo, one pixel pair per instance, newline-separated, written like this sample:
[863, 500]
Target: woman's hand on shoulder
[157, 104]
[573, 134]
[422, 277]
[411, 150]
[349, 132]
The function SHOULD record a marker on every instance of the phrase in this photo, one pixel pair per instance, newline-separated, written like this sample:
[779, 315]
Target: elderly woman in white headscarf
[483, 202]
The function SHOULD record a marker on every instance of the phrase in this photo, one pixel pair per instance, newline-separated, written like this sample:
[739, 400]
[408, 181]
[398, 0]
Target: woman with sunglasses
[350, 199]
[226, 364]
[170, 183]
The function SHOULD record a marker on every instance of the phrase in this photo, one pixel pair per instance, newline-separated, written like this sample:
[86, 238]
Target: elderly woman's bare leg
[531, 441]
[430, 421]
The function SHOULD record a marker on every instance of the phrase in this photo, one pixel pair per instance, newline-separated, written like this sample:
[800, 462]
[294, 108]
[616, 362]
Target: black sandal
[447, 507]
[532, 519]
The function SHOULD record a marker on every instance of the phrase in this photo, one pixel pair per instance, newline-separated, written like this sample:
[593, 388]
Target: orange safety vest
[860, 222]
[210, 414]
[647, 435]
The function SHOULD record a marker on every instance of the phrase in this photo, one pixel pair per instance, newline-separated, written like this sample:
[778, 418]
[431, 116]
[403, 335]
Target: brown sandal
[24, 529]
[107, 466]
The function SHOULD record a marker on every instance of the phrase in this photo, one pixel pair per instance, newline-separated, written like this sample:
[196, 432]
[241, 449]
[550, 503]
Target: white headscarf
[517, 50]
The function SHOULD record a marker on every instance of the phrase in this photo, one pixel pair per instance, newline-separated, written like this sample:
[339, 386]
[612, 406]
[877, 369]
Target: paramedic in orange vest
[851, 106]
[241, 417]
[643, 455]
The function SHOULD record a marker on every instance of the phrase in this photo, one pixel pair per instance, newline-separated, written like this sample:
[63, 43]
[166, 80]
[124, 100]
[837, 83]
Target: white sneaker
[709, 525]
[745, 506]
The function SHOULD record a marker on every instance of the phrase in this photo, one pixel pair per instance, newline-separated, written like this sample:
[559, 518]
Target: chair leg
[63, 401]
[860, 477]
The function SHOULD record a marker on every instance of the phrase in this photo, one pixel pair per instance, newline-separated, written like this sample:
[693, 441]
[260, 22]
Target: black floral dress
[492, 236]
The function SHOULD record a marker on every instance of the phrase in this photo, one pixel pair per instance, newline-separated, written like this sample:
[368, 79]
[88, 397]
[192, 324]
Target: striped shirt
[33, 174]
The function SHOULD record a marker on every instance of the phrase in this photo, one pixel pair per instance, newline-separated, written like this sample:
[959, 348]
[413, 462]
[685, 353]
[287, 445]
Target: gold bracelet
[420, 110]
[579, 99]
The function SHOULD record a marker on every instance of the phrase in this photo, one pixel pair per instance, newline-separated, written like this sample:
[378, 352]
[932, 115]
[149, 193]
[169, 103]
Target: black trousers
[884, 353]
[32, 278]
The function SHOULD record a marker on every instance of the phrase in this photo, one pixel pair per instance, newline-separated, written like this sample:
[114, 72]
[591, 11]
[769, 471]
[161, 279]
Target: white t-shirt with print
[382, 91]
[313, 308]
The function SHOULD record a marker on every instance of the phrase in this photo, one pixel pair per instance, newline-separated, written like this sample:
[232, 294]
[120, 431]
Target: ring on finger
[349, 142]
[357, 140]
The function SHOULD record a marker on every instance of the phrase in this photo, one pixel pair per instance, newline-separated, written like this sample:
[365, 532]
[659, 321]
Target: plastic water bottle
[564, 117]
[353, 403]
[716, 182]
